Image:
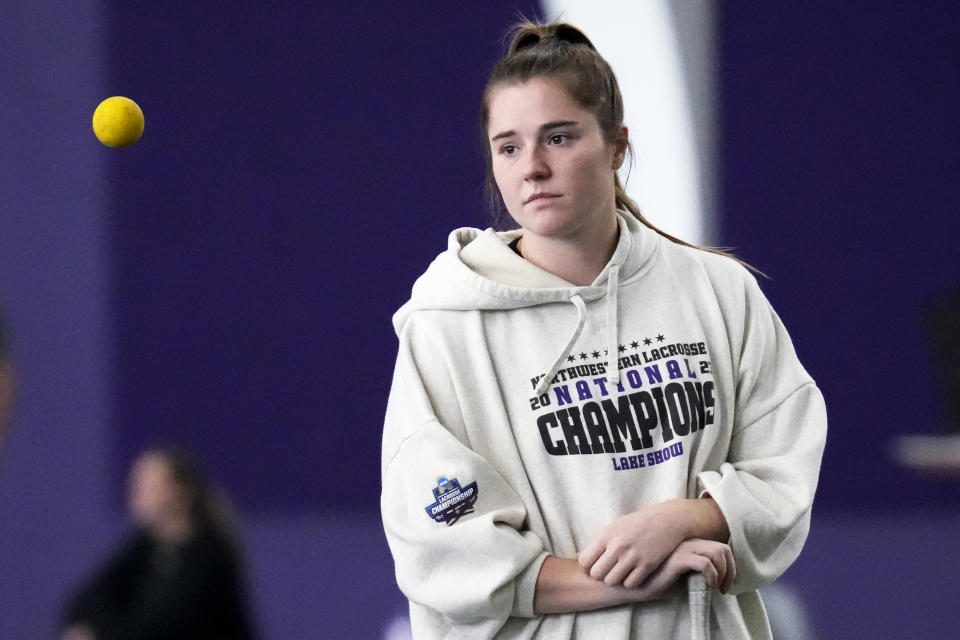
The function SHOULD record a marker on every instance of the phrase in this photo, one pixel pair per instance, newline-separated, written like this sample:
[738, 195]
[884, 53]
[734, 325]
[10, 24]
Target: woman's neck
[577, 259]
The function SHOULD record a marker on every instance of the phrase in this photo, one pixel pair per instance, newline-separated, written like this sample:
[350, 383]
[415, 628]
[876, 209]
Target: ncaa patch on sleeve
[452, 501]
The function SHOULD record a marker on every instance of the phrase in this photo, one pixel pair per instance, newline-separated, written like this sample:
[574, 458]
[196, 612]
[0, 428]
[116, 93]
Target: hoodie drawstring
[613, 330]
[581, 318]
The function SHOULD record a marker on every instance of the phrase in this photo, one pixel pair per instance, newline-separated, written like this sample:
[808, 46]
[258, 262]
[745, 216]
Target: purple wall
[840, 137]
[300, 165]
[227, 282]
[839, 150]
[53, 284]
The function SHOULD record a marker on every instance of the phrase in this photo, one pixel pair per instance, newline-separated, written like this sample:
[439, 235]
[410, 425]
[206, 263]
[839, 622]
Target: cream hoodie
[526, 413]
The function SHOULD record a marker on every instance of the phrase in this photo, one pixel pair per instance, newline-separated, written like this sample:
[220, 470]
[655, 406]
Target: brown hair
[562, 51]
[209, 506]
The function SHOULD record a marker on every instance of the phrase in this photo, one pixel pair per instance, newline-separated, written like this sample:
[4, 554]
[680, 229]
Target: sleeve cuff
[526, 586]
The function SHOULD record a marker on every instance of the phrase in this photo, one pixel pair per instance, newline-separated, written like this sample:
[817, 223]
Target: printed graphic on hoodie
[452, 501]
[665, 393]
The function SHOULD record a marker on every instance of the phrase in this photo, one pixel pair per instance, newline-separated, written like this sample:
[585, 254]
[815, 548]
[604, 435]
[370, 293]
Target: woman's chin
[547, 224]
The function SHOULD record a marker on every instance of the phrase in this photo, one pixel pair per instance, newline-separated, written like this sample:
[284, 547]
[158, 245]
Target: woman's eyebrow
[543, 128]
[556, 124]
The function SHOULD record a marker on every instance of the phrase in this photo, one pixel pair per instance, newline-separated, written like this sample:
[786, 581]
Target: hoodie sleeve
[766, 486]
[475, 569]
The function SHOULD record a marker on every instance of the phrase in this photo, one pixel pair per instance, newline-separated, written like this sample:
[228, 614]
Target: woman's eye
[558, 138]
[508, 150]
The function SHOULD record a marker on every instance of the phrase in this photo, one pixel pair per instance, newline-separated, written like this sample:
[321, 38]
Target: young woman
[179, 576]
[584, 409]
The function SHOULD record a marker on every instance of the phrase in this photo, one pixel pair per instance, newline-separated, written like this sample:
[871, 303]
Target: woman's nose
[536, 166]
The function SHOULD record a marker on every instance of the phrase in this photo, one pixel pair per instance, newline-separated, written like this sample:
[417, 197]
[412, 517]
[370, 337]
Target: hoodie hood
[453, 284]
[479, 272]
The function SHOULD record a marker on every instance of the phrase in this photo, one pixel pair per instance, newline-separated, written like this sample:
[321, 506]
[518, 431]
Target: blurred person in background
[179, 575]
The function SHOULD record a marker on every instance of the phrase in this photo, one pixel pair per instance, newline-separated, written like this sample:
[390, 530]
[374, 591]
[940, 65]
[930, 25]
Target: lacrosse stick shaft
[699, 596]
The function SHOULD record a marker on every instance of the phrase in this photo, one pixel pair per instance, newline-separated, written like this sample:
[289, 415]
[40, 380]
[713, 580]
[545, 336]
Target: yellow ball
[118, 122]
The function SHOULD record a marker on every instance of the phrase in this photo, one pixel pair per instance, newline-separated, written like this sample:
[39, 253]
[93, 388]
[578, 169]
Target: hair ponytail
[626, 203]
[526, 34]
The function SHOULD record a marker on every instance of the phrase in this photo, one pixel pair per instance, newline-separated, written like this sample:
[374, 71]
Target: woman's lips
[540, 196]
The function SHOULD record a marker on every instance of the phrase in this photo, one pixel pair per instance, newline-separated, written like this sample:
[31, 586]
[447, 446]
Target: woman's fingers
[731, 574]
[704, 565]
[603, 565]
[625, 565]
[717, 559]
[616, 564]
[634, 578]
[658, 582]
[721, 558]
[643, 538]
[589, 555]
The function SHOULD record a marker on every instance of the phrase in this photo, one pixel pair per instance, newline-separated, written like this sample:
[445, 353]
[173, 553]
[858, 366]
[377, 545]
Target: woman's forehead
[531, 104]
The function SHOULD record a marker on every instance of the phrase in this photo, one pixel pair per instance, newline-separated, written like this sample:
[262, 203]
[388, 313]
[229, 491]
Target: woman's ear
[620, 144]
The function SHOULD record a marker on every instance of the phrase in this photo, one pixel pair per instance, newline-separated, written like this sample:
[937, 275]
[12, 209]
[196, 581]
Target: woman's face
[554, 169]
[154, 495]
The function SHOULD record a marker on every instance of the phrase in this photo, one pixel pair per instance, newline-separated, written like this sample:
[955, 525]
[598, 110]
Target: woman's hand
[632, 547]
[713, 559]
[563, 587]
